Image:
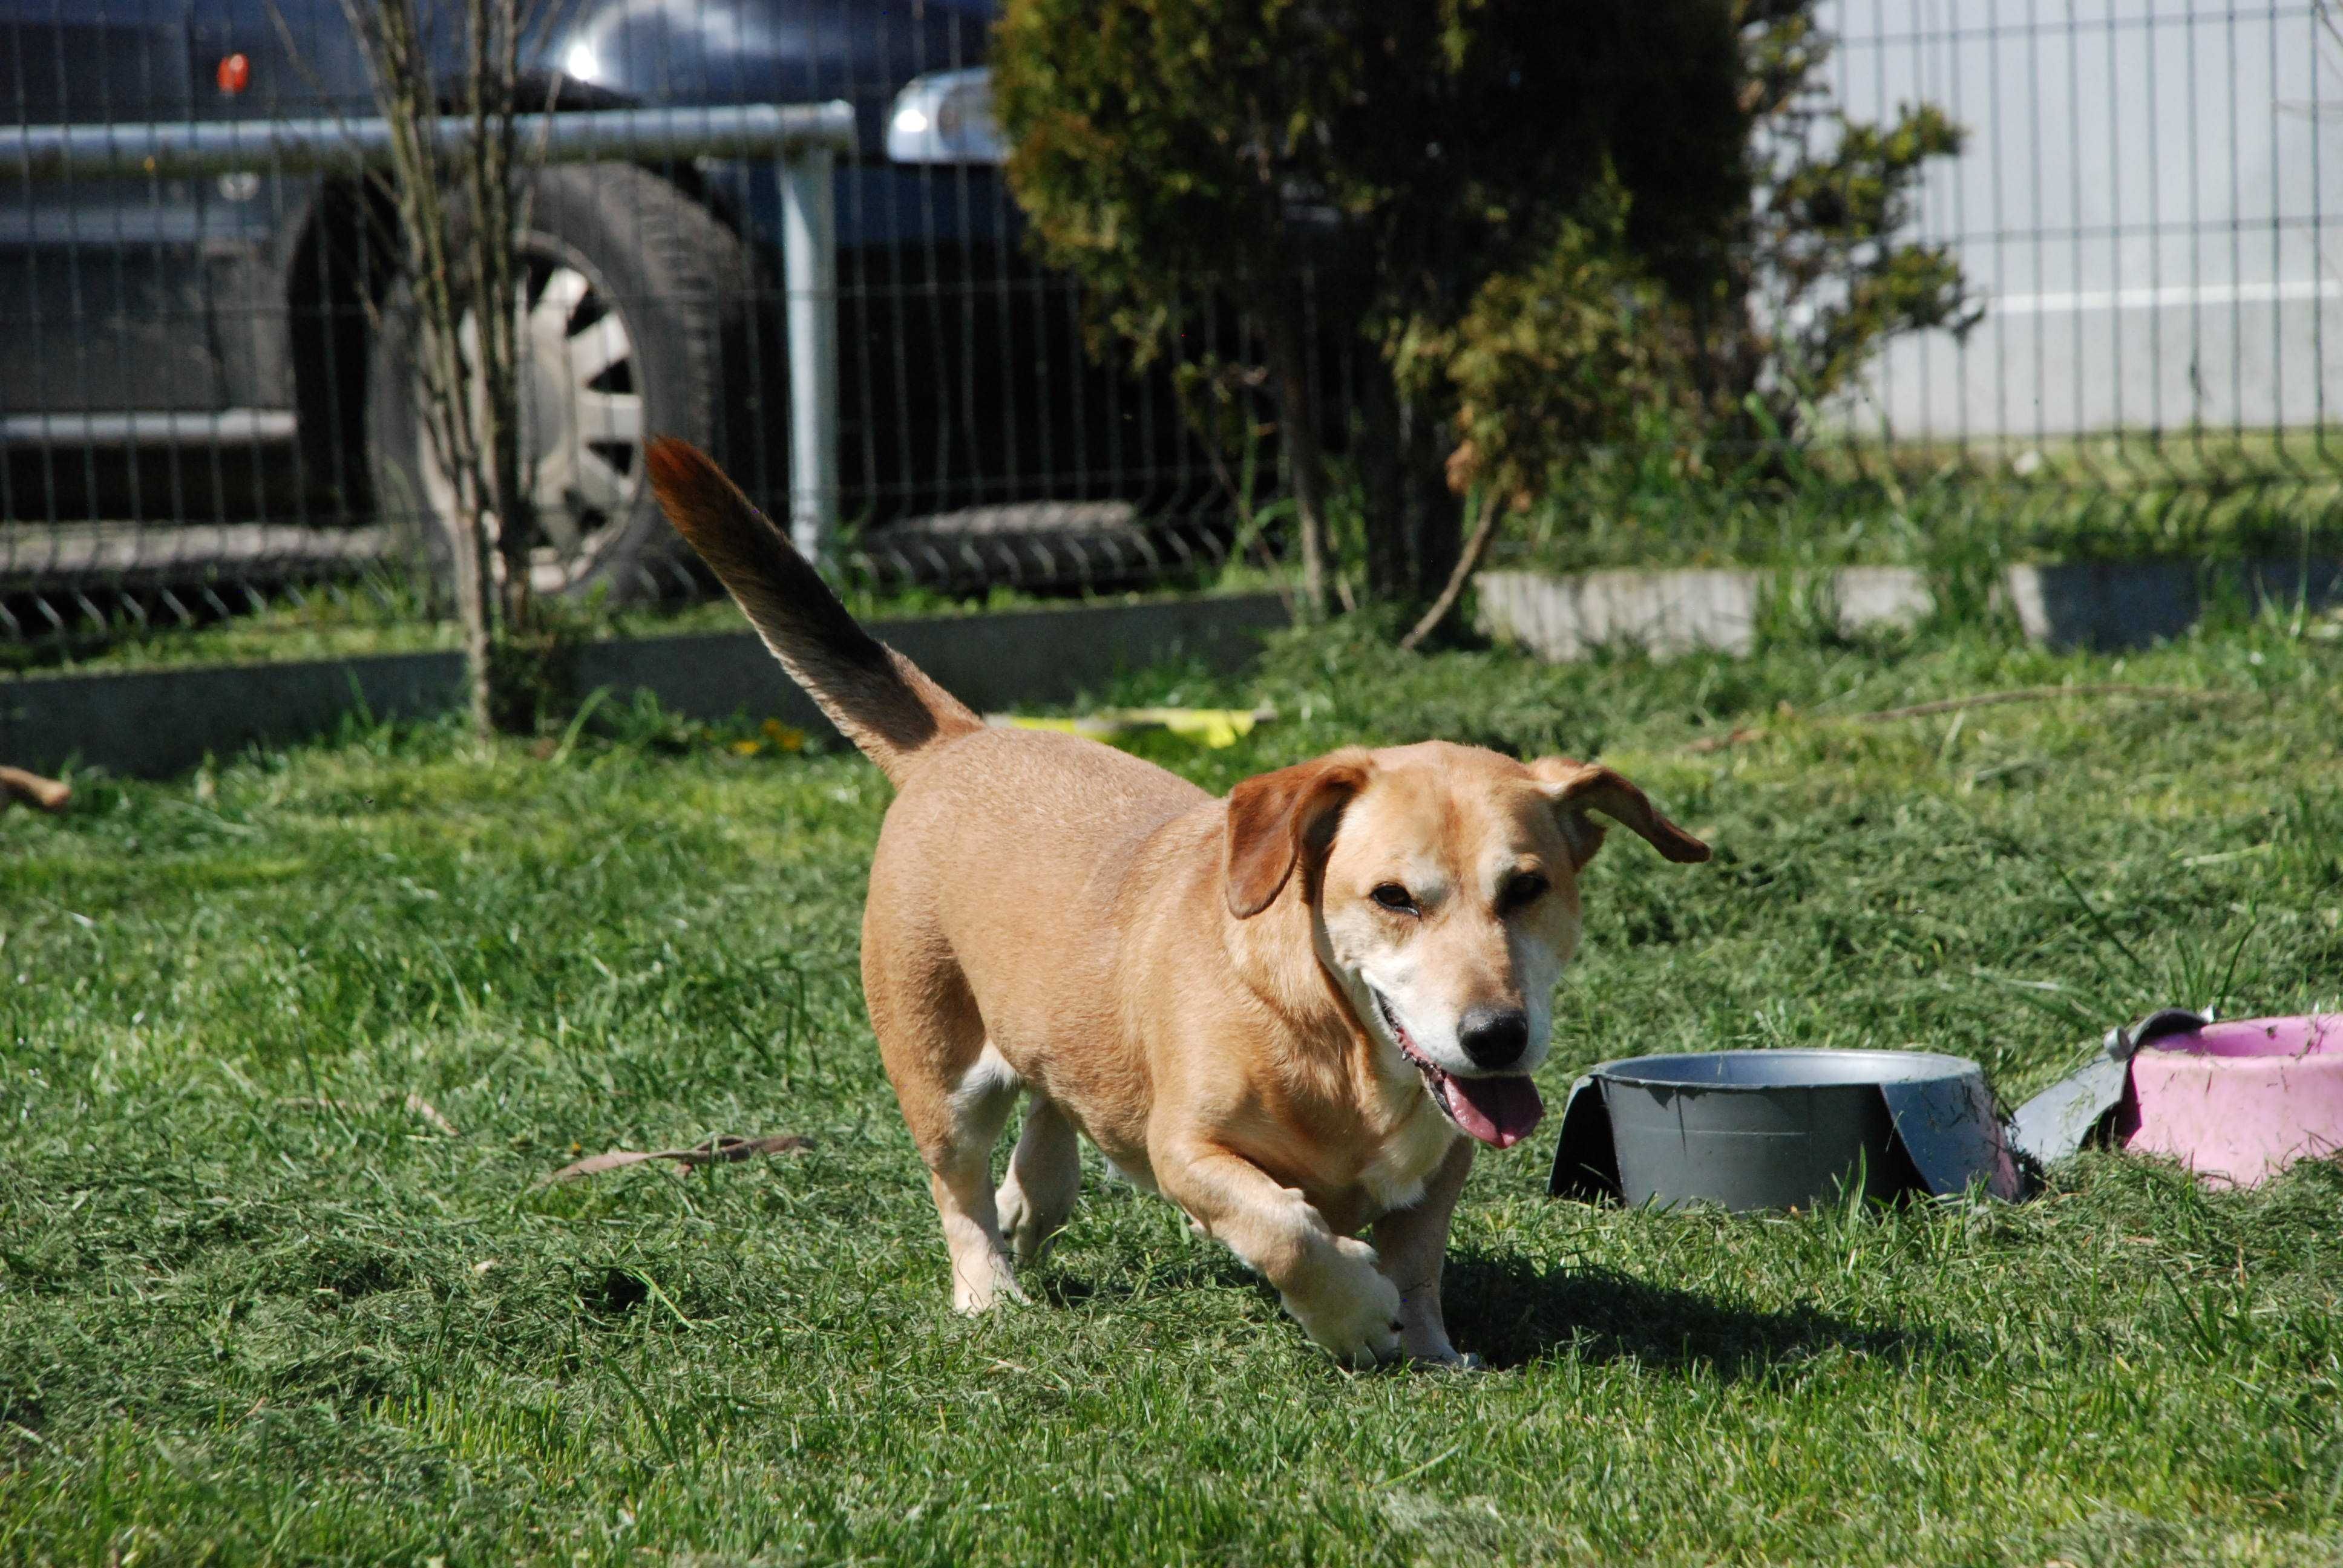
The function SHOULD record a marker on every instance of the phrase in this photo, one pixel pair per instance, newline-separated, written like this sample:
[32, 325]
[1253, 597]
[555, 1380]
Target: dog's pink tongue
[1499, 1112]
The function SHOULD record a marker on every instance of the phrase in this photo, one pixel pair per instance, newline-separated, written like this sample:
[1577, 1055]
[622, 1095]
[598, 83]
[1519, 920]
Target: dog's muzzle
[1500, 1108]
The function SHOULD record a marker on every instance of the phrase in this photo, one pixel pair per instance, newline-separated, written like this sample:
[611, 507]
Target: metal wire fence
[2147, 210]
[205, 408]
[205, 412]
[2147, 202]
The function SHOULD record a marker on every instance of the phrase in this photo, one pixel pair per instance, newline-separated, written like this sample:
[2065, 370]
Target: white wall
[2151, 206]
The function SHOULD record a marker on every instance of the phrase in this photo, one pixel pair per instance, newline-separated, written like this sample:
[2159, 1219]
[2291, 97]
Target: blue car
[234, 348]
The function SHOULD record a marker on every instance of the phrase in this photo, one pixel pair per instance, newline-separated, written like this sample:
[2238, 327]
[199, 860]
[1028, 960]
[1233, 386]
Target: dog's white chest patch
[1395, 1178]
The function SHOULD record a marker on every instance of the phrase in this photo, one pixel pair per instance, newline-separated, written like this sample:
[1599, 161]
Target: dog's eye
[1523, 891]
[1392, 896]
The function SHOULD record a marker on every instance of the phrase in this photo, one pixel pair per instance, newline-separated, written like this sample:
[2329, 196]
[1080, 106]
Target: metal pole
[809, 273]
[184, 149]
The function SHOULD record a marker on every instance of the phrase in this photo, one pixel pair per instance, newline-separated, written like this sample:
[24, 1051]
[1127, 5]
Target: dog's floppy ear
[1577, 787]
[1276, 819]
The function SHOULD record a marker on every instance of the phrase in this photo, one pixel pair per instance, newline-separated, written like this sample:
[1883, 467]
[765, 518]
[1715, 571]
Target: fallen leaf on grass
[726, 1148]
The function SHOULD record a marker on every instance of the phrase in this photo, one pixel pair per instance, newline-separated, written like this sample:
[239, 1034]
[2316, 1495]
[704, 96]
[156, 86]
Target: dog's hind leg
[959, 1174]
[1045, 1176]
[956, 1092]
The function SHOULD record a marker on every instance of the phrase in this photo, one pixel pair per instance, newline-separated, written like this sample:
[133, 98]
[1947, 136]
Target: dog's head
[1442, 884]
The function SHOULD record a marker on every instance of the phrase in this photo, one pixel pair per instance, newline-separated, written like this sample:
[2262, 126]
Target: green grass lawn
[255, 1307]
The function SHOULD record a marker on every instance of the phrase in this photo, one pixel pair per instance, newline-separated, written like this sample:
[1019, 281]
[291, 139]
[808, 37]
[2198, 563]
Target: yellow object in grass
[778, 735]
[1212, 727]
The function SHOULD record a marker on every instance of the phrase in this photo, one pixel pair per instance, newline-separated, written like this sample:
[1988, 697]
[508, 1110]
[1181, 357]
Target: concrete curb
[2098, 605]
[2129, 604]
[150, 723]
[1672, 612]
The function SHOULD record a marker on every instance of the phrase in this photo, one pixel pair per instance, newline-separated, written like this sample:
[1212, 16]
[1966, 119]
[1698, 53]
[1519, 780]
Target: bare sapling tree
[455, 205]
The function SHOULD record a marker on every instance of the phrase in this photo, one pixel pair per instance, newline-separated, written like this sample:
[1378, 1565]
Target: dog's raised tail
[878, 698]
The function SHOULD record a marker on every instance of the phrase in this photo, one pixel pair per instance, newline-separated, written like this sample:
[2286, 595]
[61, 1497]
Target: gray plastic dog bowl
[1781, 1128]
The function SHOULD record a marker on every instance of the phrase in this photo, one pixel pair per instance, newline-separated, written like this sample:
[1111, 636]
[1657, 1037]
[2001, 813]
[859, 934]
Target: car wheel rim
[581, 420]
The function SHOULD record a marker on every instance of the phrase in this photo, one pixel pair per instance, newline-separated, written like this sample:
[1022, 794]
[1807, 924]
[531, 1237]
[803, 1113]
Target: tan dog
[1279, 1010]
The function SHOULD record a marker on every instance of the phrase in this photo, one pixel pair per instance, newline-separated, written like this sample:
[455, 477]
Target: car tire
[637, 312]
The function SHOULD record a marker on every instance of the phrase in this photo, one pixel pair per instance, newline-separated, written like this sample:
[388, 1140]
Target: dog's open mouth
[1499, 1112]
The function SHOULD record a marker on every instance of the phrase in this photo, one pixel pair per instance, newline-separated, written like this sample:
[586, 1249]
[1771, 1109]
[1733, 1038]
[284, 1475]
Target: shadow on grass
[1512, 1313]
[1208, 1268]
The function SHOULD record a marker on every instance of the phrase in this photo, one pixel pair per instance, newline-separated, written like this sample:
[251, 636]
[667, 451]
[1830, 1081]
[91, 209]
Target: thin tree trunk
[467, 402]
[1435, 514]
[1383, 483]
[1298, 435]
[494, 65]
[473, 615]
[1484, 531]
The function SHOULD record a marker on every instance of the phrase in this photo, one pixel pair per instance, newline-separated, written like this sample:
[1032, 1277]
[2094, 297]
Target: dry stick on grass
[1484, 529]
[726, 1148]
[1981, 700]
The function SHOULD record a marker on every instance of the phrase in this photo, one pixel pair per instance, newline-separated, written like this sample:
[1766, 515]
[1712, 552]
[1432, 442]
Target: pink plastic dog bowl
[2240, 1101]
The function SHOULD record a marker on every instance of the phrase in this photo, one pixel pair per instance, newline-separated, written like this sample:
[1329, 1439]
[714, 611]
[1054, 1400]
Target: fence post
[810, 276]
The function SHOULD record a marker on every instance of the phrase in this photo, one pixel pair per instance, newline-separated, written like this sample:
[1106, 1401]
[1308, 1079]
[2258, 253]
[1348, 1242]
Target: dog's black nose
[1494, 1036]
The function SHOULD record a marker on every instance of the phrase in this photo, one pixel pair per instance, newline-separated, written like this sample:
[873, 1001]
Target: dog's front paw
[982, 1283]
[1350, 1307]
